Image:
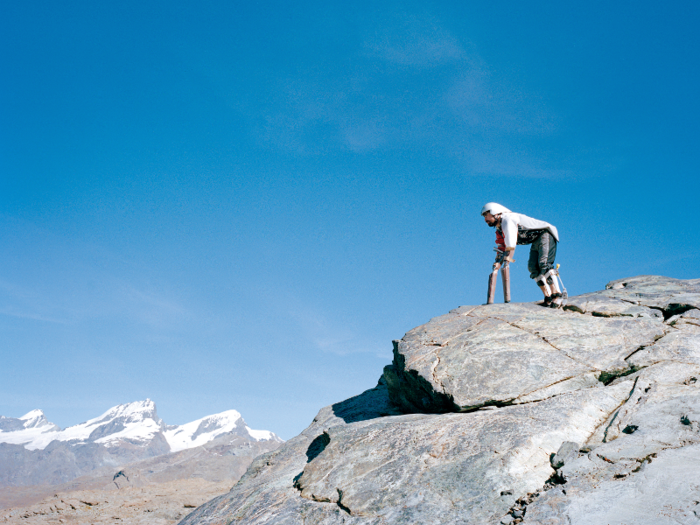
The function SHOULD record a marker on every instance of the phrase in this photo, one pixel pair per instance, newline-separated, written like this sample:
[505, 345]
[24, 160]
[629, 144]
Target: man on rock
[516, 228]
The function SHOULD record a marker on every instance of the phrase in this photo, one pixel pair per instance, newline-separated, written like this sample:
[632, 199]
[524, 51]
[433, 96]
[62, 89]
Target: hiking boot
[555, 300]
[547, 302]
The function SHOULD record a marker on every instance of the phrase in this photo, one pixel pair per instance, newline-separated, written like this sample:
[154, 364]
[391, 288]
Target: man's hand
[496, 265]
[508, 255]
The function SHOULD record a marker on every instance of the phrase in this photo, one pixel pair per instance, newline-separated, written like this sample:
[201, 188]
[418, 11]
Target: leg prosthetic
[492, 286]
[505, 275]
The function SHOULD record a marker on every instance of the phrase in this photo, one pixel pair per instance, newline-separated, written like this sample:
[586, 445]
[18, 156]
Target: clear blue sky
[240, 204]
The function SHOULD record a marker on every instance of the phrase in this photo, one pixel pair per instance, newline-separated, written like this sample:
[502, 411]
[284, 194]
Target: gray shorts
[542, 253]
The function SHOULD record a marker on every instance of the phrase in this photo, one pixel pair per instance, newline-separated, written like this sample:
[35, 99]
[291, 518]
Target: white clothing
[511, 221]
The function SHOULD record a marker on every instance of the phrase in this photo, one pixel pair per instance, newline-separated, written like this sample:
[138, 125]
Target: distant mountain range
[34, 451]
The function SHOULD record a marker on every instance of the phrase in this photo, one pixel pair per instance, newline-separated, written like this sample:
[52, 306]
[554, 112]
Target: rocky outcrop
[506, 414]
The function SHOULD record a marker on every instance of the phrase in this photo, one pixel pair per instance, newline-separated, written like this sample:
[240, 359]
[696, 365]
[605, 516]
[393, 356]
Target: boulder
[511, 353]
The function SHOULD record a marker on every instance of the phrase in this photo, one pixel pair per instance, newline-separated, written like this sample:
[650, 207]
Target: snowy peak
[32, 420]
[136, 412]
[131, 424]
[37, 419]
[218, 423]
[35, 452]
[136, 423]
[203, 430]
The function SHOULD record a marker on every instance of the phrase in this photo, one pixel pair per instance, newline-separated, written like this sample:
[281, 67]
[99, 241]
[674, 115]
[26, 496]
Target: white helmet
[494, 208]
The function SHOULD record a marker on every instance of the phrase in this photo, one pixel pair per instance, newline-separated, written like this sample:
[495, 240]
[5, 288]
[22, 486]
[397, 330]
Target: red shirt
[500, 240]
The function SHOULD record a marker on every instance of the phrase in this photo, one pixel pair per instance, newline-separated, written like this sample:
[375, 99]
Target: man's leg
[551, 271]
[547, 253]
[536, 272]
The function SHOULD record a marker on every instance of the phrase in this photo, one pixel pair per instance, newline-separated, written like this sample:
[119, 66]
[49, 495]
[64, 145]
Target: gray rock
[420, 468]
[568, 451]
[494, 399]
[464, 459]
[601, 304]
[672, 296]
[681, 344]
[509, 353]
[270, 481]
[691, 317]
[645, 475]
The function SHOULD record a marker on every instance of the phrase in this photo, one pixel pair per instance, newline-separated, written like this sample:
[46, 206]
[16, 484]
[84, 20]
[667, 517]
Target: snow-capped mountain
[34, 420]
[123, 434]
[201, 431]
[135, 423]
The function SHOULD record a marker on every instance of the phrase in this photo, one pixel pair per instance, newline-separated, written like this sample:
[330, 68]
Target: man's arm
[509, 225]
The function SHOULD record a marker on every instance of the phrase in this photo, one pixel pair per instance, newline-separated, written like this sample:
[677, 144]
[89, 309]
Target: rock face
[506, 414]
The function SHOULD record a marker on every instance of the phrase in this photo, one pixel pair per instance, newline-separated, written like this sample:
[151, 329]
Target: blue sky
[239, 205]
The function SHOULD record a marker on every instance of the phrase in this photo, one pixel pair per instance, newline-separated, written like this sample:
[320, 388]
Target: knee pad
[544, 278]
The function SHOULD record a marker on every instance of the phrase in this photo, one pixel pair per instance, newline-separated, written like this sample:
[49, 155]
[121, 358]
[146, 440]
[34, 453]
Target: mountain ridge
[34, 451]
[135, 421]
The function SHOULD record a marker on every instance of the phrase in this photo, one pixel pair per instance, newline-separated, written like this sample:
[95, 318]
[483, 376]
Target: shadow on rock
[317, 446]
[370, 404]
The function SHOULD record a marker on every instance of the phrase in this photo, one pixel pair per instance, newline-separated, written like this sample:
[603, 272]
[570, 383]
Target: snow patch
[261, 435]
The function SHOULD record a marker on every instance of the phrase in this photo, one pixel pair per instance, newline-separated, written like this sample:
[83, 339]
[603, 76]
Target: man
[515, 228]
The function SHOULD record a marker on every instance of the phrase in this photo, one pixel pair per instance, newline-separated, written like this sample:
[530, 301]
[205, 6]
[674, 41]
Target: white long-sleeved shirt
[510, 222]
